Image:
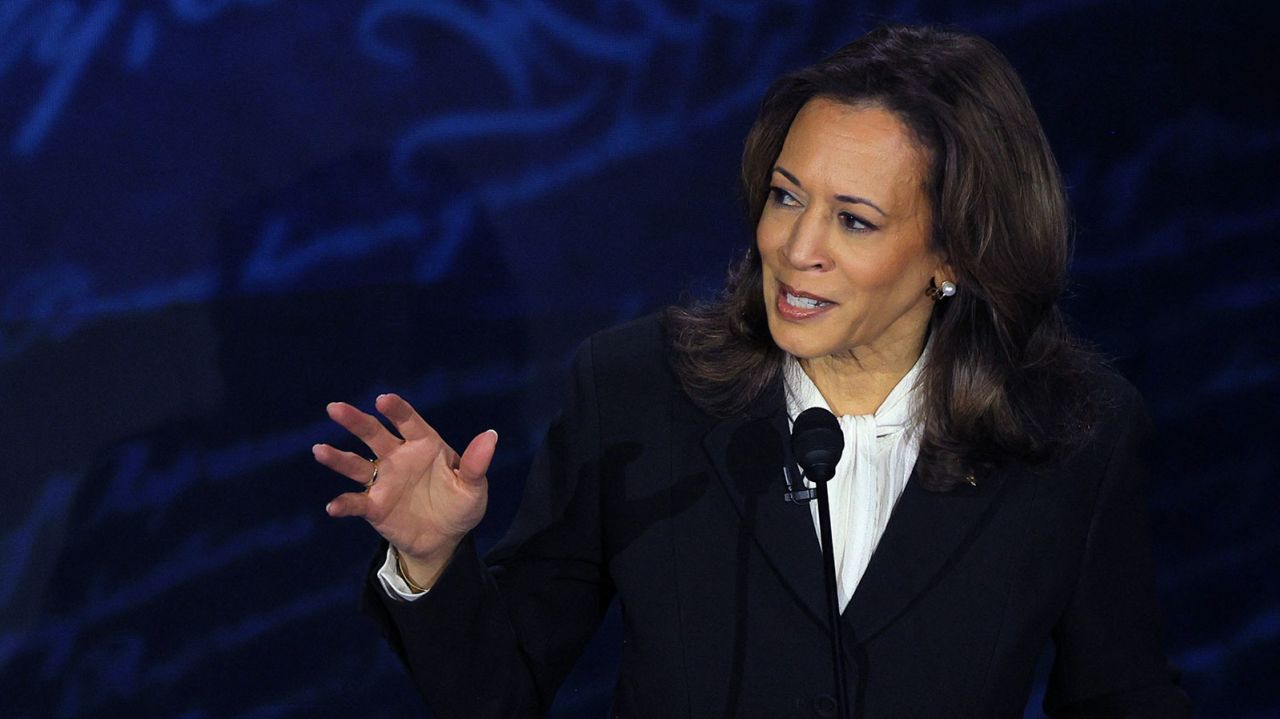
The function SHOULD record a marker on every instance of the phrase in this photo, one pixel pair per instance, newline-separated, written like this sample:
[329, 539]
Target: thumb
[475, 459]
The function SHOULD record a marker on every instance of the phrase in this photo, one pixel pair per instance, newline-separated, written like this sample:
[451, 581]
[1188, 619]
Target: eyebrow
[851, 199]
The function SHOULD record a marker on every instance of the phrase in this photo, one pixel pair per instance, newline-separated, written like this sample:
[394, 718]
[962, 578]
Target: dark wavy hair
[1004, 376]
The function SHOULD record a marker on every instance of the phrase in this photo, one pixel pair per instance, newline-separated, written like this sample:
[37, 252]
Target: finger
[348, 464]
[370, 431]
[408, 422]
[351, 504]
[476, 457]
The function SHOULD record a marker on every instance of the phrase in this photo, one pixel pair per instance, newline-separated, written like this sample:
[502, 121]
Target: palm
[419, 501]
[426, 496]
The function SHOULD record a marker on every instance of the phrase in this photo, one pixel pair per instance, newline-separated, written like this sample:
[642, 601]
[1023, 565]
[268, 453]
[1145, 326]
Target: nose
[806, 247]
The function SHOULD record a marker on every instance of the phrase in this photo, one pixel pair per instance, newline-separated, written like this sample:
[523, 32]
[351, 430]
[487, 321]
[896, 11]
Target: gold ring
[374, 478]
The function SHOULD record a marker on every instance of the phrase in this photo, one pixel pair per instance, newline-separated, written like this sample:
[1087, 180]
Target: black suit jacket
[639, 495]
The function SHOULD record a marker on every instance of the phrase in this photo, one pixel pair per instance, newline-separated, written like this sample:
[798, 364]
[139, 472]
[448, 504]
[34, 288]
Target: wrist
[421, 573]
[405, 574]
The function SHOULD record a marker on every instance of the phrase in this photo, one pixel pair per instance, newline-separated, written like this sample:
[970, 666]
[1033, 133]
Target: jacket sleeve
[495, 638]
[1109, 662]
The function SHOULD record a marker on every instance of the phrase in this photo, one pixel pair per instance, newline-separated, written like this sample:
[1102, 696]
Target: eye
[782, 197]
[853, 223]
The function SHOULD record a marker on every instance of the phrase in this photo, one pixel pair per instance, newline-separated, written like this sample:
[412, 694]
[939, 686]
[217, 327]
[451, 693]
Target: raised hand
[426, 497]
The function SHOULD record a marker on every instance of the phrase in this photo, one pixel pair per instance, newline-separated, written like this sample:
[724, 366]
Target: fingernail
[494, 432]
[315, 448]
[328, 508]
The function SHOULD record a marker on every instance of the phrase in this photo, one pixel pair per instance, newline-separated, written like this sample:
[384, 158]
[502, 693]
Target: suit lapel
[925, 530]
[748, 454]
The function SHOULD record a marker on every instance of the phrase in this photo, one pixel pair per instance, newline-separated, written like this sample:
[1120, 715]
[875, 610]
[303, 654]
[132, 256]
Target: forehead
[838, 144]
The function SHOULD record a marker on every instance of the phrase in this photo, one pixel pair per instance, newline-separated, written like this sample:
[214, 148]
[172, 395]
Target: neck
[857, 382]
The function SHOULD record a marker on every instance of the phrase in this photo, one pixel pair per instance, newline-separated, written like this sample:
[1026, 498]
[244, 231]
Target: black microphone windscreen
[817, 443]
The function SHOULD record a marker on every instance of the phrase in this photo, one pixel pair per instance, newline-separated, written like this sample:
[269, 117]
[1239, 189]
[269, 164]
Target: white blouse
[880, 451]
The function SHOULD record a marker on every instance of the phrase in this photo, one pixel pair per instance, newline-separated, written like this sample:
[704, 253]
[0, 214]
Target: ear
[942, 272]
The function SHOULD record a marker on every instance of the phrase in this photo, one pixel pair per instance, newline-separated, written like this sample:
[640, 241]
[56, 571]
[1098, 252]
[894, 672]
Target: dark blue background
[218, 215]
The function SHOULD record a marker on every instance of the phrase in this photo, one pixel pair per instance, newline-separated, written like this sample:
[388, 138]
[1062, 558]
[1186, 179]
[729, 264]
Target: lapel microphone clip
[796, 492]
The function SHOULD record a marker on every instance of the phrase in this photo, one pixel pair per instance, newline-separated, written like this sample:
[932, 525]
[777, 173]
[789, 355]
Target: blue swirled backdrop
[218, 215]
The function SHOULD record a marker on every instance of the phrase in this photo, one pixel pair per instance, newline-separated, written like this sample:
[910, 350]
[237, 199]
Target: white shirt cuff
[392, 583]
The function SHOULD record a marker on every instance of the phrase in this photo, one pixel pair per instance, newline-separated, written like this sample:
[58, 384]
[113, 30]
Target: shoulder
[636, 340]
[1113, 417]
[628, 362]
[626, 372]
[1114, 401]
[631, 352]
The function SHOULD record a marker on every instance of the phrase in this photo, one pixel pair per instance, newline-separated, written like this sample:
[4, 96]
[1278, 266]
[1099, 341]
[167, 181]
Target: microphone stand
[816, 444]
[833, 596]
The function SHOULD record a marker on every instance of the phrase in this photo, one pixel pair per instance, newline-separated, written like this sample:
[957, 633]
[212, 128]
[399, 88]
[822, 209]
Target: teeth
[804, 303]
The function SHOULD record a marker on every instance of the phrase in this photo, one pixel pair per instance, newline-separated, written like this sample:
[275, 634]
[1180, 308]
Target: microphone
[816, 444]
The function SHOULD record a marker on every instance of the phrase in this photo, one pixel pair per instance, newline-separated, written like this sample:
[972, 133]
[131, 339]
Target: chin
[798, 342]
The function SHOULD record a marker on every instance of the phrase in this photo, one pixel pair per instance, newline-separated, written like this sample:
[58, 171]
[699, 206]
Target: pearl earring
[946, 289]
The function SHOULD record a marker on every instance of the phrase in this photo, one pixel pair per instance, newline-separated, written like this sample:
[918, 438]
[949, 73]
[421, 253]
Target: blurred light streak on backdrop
[218, 215]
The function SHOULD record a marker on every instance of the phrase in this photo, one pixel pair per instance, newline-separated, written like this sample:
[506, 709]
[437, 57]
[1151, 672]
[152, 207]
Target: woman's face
[844, 236]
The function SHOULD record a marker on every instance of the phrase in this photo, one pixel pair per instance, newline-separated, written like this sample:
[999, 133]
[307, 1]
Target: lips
[796, 304]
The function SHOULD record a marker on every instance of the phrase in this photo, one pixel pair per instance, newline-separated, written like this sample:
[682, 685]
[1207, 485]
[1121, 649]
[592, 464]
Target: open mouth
[804, 303]
[793, 305]
[802, 300]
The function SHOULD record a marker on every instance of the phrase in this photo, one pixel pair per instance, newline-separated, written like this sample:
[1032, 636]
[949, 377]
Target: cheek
[894, 269]
[876, 275]
[767, 247]
[766, 236]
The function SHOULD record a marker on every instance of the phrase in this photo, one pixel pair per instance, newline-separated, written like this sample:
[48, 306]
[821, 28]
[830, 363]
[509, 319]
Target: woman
[911, 243]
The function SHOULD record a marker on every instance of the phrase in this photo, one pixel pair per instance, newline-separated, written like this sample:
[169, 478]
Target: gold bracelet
[405, 575]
